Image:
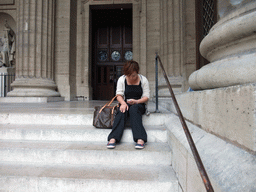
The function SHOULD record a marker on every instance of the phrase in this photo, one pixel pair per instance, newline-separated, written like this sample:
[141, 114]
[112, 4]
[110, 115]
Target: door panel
[127, 36]
[103, 37]
[104, 82]
[115, 35]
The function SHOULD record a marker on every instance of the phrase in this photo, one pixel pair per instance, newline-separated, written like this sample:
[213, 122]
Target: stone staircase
[61, 151]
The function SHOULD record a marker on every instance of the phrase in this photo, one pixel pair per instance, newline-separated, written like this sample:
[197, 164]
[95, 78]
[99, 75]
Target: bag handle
[112, 100]
[108, 104]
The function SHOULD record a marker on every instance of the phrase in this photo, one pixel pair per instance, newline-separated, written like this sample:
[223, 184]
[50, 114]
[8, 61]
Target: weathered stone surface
[230, 47]
[227, 112]
[51, 155]
[35, 38]
[7, 2]
[237, 70]
[229, 168]
[33, 87]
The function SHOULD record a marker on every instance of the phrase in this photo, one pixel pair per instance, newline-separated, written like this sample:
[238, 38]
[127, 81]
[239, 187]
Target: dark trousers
[135, 113]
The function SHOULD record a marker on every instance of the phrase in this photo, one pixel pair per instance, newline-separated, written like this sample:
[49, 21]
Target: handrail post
[195, 153]
[156, 88]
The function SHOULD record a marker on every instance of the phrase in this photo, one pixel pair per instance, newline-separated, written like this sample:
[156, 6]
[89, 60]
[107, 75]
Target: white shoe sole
[139, 147]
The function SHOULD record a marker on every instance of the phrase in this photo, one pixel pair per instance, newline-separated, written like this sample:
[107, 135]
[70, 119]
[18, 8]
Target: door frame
[94, 65]
[84, 44]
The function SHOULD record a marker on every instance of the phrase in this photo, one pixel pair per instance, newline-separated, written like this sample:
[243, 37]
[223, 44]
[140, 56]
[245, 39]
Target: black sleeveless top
[133, 91]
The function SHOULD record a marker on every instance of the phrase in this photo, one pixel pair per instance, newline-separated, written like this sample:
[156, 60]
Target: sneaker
[139, 146]
[111, 145]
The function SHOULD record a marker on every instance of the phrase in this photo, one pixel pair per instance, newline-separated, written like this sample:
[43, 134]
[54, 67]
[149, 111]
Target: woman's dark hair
[130, 67]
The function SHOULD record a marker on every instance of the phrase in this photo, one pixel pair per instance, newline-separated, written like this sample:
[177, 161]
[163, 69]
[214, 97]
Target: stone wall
[62, 48]
[166, 27]
[224, 108]
[229, 168]
[226, 112]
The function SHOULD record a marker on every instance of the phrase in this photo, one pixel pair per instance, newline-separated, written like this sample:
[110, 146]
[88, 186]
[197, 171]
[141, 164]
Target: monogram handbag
[104, 115]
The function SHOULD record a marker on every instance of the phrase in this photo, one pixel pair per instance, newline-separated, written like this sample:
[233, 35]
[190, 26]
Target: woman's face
[133, 76]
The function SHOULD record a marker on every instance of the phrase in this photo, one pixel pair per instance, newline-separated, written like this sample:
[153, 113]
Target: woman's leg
[118, 126]
[135, 112]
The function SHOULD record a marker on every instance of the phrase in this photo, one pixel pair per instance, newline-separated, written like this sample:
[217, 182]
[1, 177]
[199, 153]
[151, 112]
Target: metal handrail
[198, 160]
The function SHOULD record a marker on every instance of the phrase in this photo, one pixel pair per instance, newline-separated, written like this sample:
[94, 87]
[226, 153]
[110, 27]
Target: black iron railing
[5, 83]
[198, 160]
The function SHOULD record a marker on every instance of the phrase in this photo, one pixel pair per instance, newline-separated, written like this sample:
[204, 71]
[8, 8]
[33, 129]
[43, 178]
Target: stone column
[171, 45]
[35, 46]
[230, 47]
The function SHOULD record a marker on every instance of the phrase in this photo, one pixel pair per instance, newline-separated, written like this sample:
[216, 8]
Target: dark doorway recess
[111, 47]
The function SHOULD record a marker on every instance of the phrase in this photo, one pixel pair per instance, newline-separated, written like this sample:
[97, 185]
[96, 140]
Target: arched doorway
[111, 47]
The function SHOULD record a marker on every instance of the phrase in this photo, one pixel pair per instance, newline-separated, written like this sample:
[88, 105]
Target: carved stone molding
[7, 2]
[85, 1]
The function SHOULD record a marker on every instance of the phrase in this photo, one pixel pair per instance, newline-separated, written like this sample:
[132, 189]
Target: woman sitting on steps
[132, 94]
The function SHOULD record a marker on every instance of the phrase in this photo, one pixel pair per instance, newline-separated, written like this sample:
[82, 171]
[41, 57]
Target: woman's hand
[132, 101]
[124, 107]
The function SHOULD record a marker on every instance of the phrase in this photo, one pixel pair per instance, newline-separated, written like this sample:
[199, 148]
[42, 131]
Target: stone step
[82, 153]
[73, 133]
[89, 178]
[65, 117]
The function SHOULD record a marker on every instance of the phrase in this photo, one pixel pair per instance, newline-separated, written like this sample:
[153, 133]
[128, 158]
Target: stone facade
[227, 106]
[54, 43]
[223, 104]
[54, 59]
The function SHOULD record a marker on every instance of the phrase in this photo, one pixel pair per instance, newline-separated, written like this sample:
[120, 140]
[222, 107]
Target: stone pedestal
[227, 112]
[33, 87]
[231, 48]
[35, 46]
[226, 104]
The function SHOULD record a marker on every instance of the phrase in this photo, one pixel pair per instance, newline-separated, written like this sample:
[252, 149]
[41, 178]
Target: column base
[33, 87]
[230, 46]
[30, 99]
[240, 69]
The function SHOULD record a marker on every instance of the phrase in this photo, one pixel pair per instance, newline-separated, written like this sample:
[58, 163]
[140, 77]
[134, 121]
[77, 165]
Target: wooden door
[112, 48]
